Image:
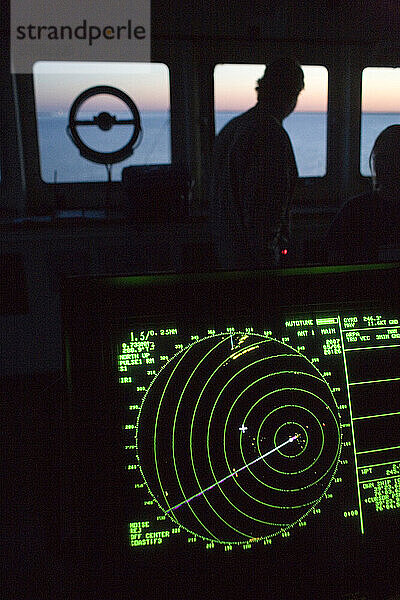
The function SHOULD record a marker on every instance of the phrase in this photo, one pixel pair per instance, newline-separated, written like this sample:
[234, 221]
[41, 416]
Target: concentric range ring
[238, 437]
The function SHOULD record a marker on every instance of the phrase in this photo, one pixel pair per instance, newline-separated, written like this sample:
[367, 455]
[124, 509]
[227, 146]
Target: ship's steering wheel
[105, 122]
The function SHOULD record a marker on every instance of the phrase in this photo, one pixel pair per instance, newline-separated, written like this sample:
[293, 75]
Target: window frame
[312, 191]
[49, 198]
[382, 64]
[302, 177]
[344, 62]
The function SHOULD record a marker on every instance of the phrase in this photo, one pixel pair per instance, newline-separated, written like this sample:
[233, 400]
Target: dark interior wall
[334, 20]
[371, 22]
[32, 425]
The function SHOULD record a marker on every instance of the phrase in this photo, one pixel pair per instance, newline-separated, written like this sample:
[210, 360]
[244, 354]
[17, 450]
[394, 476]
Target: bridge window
[234, 93]
[380, 108]
[58, 84]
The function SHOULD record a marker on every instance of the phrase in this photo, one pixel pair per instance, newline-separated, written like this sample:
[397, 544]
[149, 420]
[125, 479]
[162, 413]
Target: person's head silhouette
[279, 87]
[385, 162]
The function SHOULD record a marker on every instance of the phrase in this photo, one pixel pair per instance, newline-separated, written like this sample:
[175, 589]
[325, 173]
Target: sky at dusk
[234, 87]
[381, 90]
[57, 84]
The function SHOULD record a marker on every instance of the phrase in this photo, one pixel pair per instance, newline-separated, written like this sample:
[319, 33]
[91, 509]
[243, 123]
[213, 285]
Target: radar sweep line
[291, 439]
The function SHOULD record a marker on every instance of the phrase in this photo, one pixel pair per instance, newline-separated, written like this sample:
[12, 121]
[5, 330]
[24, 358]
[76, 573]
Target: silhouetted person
[367, 228]
[255, 173]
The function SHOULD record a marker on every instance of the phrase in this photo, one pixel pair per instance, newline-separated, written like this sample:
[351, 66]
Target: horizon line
[227, 110]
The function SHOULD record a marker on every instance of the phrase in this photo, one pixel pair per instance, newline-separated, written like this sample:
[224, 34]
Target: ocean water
[307, 132]
[371, 126]
[60, 159]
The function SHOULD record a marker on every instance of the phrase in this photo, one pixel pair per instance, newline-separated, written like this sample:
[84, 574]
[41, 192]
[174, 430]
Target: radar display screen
[246, 420]
[247, 432]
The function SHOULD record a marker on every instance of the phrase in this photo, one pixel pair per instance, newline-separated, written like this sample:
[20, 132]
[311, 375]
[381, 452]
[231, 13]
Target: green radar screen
[238, 438]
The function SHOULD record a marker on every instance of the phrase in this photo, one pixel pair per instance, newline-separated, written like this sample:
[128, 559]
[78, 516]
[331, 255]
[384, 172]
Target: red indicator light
[284, 251]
